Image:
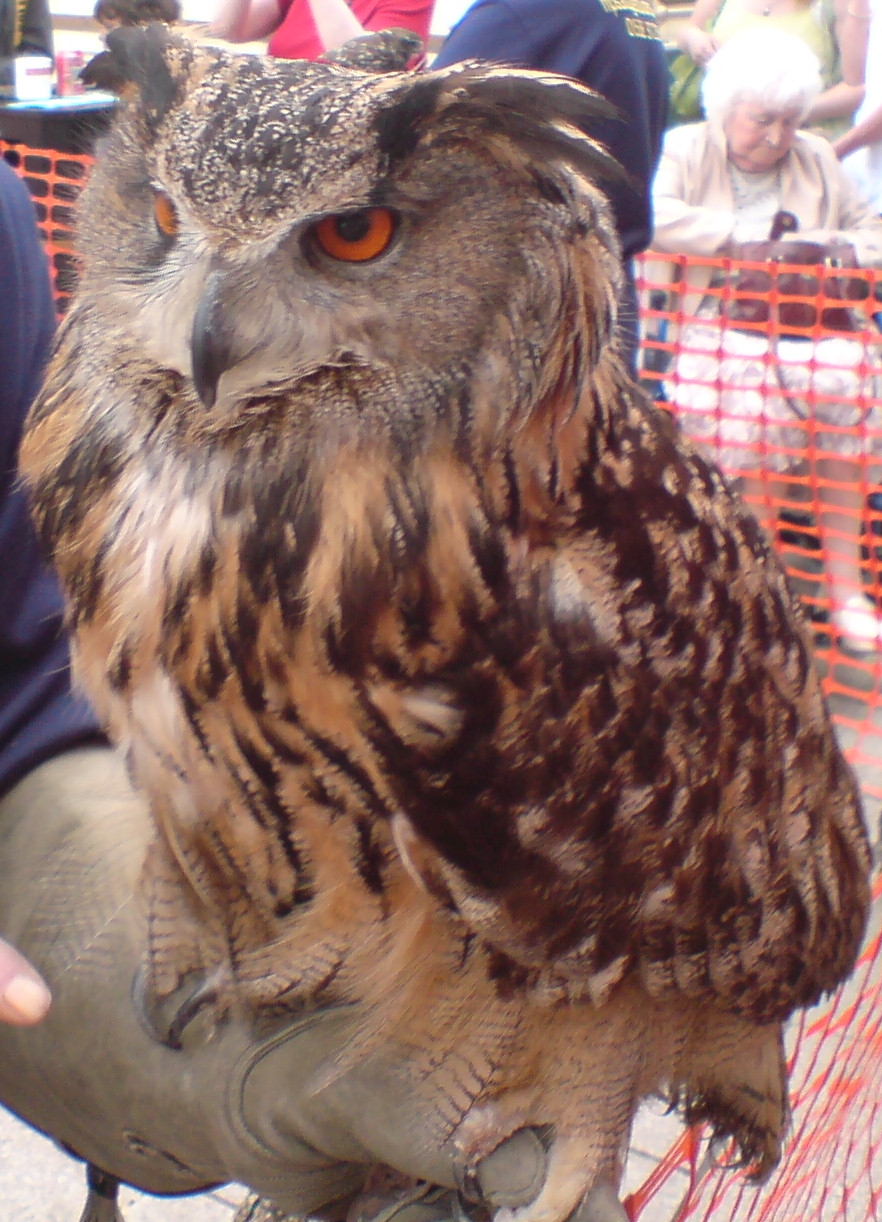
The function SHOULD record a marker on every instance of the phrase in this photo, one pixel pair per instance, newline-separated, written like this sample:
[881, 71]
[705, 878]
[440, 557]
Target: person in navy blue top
[614, 48]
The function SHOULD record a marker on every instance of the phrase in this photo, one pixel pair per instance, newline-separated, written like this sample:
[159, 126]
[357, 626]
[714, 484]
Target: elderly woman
[760, 400]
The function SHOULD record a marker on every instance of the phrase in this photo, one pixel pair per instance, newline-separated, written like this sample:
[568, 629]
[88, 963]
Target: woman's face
[758, 137]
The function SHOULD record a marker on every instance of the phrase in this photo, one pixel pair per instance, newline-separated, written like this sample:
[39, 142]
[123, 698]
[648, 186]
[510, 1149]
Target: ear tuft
[547, 117]
[398, 126]
[147, 61]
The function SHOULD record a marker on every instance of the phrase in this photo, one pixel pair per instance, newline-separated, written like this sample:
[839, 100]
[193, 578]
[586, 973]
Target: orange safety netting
[798, 419]
[55, 181]
[784, 414]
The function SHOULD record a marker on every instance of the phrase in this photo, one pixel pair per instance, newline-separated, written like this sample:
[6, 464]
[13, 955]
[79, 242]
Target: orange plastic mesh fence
[799, 419]
[55, 181]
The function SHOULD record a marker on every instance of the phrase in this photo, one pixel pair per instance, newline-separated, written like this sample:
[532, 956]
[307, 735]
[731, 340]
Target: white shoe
[858, 625]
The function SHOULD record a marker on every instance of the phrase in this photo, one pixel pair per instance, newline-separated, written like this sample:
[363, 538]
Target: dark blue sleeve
[492, 30]
[38, 714]
[27, 317]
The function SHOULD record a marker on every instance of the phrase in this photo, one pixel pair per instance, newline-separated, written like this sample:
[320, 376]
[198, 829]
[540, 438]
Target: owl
[464, 691]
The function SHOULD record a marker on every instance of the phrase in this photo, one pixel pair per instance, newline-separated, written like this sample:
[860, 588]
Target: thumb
[24, 996]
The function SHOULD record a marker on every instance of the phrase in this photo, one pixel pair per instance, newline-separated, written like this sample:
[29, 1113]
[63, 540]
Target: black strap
[102, 1183]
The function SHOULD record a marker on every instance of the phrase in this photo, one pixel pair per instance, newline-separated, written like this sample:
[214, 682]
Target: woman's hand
[698, 44]
[245, 20]
[24, 997]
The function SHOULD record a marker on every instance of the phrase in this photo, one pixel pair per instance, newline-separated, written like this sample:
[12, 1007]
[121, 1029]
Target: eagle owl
[461, 686]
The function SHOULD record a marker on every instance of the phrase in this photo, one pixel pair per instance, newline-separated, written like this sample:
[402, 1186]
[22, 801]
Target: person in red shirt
[305, 29]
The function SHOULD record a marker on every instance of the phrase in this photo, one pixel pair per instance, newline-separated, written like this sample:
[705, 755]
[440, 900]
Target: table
[66, 125]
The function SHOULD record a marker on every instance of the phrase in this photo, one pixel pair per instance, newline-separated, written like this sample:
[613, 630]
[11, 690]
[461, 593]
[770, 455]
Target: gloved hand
[268, 1109]
[72, 838]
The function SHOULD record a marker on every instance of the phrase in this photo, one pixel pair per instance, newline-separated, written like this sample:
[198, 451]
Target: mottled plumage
[461, 685]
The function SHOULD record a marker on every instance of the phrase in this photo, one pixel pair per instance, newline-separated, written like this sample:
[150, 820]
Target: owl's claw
[602, 1204]
[510, 1176]
[423, 1203]
[167, 1018]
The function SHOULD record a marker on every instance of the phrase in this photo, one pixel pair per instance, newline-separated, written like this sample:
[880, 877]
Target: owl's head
[253, 224]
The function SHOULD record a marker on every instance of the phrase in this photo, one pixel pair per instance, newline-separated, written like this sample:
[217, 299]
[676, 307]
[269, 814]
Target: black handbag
[793, 285]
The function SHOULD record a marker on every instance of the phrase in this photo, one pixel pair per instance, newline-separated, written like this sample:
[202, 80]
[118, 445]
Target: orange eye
[356, 237]
[165, 214]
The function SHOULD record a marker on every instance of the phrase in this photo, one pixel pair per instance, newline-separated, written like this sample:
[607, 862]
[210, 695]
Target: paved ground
[39, 1183]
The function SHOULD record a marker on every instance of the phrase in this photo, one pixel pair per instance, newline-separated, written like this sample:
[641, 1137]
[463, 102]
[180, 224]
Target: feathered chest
[268, 592]
[563, 676]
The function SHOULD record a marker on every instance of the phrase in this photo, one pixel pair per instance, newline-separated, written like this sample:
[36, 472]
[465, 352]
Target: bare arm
[334, 22]
[245, 20]
[838, 102]
[852, 31]
[692, 37]
[868, 131]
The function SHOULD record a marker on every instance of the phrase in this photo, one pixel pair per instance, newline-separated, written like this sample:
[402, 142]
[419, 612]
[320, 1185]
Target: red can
[68, 67]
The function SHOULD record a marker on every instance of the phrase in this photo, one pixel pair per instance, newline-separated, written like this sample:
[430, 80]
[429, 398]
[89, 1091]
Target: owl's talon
[167, 1019]
[510, 1176]
[424, 1203]
[466, 1179]
[602, 1204]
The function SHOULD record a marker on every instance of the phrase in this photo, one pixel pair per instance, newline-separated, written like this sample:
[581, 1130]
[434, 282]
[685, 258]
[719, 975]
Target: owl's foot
[512, 1182]
[510, 1176]
[735, 1079]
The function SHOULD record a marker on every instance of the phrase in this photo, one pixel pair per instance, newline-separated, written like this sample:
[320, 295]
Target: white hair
[761, 64]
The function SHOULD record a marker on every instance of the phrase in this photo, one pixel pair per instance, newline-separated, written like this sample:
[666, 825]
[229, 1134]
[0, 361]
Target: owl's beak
[211, 347]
